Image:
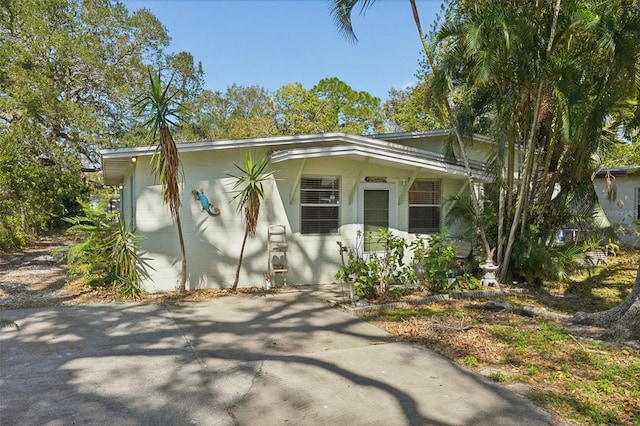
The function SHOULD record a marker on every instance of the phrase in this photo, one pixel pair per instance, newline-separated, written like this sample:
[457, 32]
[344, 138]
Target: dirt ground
[34, 277]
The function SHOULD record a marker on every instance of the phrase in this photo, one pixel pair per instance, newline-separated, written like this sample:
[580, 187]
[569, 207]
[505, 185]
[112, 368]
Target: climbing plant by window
[424, 206]
[319, 204]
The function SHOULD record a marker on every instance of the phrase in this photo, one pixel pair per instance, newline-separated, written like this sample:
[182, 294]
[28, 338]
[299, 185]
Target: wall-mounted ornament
[204, 201]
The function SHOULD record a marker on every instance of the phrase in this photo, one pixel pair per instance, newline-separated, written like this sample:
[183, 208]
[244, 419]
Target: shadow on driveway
[243, 360]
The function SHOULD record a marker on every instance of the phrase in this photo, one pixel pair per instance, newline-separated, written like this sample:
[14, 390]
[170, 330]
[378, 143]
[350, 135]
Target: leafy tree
[69, 69]
[248, 112]
[239, 112]
[300, 111]
[356, 112]
[35, 193]
[552, 83]
[407, 111]
[161, 108]
[249, 185]
[622, 154]
[188, 76]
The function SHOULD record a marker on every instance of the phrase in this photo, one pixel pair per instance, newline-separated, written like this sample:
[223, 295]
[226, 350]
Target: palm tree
[341, 11]
[249, 185]
[161, 107]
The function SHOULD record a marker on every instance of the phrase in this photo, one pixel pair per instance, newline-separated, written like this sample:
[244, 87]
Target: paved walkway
[245, 360]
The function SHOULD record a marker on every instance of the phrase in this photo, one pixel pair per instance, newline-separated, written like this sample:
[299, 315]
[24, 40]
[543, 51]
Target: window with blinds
[424, 206]
[319, 204]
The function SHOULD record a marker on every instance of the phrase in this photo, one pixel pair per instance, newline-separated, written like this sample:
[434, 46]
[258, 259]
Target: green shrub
[498, 376]
[434, 259]
[372, 273]
[471, 361]
[464, 282]
[105, 252]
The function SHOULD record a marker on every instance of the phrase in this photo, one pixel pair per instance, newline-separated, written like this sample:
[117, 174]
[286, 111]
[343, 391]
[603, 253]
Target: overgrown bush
[35, 192]
[105, 252]
[372, 273]
[434, 258]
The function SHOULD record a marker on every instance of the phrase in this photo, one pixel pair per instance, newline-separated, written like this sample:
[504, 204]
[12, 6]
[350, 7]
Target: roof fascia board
[264, 142]
[391, 156]
[426, 134]
[231, 143]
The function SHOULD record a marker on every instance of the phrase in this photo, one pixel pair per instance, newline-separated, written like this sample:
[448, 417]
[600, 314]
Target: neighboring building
[618, 192]
[327, 187]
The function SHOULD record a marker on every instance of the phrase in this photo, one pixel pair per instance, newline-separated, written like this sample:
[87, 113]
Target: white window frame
[438, 206]
[333, 202]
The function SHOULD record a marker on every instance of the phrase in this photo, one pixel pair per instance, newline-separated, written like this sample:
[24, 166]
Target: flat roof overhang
[118, 162]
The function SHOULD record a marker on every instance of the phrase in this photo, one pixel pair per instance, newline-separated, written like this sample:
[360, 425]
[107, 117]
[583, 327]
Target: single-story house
[618, 192]
[325, 188]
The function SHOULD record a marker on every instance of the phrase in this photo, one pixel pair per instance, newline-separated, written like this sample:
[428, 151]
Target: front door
[376, 210]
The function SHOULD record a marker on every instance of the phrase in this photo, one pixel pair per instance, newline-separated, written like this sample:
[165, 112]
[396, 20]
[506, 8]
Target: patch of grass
[400, 314]
[498, 376]
[471, 361]
[603, 289]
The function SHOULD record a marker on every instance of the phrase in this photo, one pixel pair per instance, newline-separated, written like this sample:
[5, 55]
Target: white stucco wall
[213, 243]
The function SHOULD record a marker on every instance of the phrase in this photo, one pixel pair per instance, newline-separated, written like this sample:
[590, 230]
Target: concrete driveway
[243, 360]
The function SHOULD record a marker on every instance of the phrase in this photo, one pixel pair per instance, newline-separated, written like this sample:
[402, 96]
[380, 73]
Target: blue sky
[274, 42]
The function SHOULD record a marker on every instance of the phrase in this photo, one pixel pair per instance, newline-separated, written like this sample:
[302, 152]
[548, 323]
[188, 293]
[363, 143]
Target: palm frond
[341, 12]
[249, 188]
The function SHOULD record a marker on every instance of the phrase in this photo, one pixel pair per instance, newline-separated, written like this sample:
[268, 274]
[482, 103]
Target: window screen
[424, 206]
[320, 204]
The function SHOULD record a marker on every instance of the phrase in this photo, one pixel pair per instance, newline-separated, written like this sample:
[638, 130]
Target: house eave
[116, 162]
[424, 160]
[618, 172]
[426, 134]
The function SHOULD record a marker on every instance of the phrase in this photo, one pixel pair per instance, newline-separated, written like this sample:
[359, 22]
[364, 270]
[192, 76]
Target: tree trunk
[244, 241]
[183, 275]
[529, 156]
[456, 128]
[622, 321]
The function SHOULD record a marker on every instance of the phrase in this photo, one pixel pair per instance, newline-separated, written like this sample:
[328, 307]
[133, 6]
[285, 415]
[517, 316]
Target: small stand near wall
[278, 267]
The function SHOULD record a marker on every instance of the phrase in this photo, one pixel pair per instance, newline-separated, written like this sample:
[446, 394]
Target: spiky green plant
[250, 192]
[161, 107]
[106, 252]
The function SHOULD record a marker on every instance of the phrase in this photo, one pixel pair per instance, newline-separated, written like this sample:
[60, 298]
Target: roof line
[433, 162]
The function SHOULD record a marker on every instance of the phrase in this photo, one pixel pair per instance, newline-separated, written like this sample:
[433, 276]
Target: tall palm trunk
[183, 274]
[171, 166]
[530, 147]
[161, 105]
[456, 128]
[244, 242]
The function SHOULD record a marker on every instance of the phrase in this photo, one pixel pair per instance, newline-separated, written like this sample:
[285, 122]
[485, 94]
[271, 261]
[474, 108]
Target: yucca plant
[250, 192]
[161, 107]
[106, 252]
